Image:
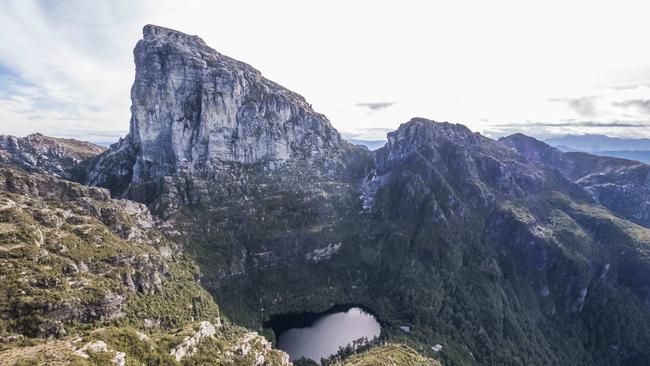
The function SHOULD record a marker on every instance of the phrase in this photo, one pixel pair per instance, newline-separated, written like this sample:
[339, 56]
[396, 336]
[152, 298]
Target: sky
[542, 68]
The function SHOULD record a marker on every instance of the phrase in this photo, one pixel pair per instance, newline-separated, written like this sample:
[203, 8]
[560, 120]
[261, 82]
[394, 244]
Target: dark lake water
[317, 336]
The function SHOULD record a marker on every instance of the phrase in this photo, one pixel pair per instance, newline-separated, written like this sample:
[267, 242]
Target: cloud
[373, 134]
[584, 106]
[578, 124]
[622, 104]
[544, 130]
[642, 105]
[375, 106]
[66, 67]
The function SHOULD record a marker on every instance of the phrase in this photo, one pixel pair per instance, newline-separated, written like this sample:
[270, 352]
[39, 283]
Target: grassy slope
[389, 355]
[77, 267]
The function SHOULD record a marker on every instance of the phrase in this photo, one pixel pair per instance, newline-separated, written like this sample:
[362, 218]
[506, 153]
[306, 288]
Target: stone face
[198, 113]
[47, 155]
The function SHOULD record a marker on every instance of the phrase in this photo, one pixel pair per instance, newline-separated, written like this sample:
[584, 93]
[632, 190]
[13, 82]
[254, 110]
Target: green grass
[389, 355]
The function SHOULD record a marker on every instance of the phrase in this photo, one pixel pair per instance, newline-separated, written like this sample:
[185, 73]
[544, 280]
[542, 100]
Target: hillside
[90, 280]
[623, 186]
[47, 155]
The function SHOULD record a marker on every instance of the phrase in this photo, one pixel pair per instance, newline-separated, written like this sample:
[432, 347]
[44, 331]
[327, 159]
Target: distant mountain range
[633, 149]
[599, 143]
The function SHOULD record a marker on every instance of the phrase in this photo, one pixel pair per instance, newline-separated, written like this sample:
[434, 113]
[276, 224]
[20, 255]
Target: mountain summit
[198, 113]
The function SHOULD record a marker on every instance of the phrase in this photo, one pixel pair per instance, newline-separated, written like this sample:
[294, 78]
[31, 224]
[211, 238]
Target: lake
[319, 335]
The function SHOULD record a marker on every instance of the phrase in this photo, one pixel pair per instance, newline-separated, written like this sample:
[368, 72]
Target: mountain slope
[593, 143]
[387, 356]
[623, 186]
[47, 155]
[94, 274]
[574, 165]
[451, 233]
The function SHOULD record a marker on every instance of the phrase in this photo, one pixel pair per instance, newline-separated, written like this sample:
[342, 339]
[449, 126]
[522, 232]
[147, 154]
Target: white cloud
[608, 111]
[70, 63]
[480, 63]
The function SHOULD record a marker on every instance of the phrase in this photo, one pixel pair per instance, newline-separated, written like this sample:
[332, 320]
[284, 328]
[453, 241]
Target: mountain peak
[421, 132]
[151, 31]
[531, 148]
[198, 113]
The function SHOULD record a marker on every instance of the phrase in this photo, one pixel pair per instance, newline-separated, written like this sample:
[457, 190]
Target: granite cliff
[201, 116]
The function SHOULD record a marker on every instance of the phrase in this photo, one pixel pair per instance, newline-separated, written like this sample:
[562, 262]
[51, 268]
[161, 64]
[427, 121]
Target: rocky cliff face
[47, 155]
[618, 184]
[201, 115]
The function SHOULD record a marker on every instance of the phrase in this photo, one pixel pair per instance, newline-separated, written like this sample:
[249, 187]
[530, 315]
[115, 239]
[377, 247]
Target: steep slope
[47, 155]
[508, 243]
[625, 191]
[89, 280]
[199, 116]
[618, 184]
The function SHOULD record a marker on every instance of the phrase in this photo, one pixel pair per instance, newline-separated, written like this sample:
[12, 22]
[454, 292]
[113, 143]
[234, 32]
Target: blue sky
[544, 68]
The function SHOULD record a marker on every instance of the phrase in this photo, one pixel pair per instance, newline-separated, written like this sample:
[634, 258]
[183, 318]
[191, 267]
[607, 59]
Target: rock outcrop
[188, 346]
[64, 254]
[47, 155]
[95, 273]
[202, 115]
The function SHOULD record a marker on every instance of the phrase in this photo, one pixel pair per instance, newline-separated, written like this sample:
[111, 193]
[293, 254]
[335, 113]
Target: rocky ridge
[620, 185]
[48, 155]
